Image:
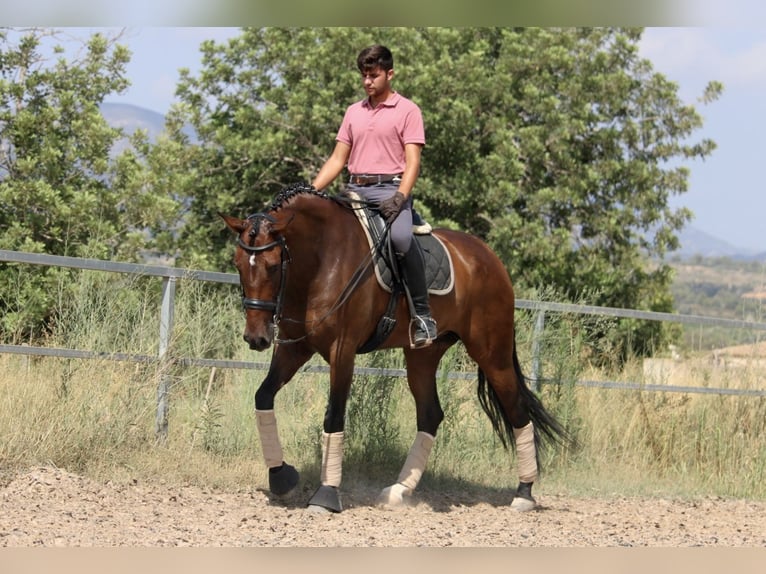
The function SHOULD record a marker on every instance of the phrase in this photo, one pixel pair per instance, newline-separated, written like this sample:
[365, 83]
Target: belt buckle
[364, 179]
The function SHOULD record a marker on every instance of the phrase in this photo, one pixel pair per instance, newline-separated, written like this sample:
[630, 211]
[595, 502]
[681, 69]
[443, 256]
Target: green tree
[559, 147]
[60, 191]
[564, 152]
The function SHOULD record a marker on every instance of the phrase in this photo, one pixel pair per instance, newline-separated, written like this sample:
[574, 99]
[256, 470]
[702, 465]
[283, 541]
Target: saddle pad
[439, 270]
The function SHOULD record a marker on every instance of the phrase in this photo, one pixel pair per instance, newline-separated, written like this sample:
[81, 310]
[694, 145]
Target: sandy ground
[50, 507]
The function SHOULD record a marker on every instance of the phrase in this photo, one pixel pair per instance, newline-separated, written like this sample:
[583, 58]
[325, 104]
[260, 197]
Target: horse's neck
[324, 227]
[327, 248]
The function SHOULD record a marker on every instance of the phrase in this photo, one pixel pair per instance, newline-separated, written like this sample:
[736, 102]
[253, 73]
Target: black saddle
[438, 262]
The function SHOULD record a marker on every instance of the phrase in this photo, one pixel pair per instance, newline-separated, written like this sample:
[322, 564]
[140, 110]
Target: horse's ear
[233, 223]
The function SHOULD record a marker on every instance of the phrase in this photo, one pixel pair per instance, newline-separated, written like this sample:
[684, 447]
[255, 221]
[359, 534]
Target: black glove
[390, 208]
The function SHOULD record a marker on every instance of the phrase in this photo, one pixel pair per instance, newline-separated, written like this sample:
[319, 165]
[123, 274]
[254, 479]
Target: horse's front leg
[285, 362]
[327, 496]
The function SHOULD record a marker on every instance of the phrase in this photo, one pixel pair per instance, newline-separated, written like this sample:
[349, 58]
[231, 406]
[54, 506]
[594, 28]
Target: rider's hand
[390, 208]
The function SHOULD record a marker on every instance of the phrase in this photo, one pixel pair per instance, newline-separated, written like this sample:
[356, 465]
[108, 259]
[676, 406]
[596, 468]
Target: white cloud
[748, 67]
[692, 57]
[673, 49]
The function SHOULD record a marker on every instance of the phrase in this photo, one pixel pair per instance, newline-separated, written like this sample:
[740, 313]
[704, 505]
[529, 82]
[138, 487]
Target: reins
[276, 306]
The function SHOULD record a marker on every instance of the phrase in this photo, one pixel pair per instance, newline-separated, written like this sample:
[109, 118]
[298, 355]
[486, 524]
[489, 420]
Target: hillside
[695, 242]
[130, 118]
[720, 287]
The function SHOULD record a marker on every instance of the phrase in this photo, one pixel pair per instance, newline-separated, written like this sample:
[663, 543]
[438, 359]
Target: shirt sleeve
[345, 135]
[414, 130]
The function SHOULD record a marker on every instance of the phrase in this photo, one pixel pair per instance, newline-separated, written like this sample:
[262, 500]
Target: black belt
[373, 178]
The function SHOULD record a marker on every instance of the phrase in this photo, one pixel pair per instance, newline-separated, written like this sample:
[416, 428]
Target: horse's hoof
[283, 479]
[327, 498]
[395, 496]
[521, 504]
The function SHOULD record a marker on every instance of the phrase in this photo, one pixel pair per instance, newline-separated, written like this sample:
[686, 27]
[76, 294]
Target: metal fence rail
[170, 275]
[635, 314]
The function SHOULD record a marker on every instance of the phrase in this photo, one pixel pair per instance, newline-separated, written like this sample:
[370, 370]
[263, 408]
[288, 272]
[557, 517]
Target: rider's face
[377, 81]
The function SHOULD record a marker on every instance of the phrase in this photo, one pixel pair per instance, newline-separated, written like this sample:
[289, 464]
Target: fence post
[537, 336]
[166, 328]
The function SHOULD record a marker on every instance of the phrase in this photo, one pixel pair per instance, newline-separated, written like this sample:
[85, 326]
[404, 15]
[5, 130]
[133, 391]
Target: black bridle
[263, 304]
[276, 306]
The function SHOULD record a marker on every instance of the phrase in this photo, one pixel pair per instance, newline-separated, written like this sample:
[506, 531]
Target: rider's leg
[412, 265]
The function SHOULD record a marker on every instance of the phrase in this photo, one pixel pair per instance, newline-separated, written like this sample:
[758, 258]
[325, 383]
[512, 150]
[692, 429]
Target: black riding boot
[414, 275]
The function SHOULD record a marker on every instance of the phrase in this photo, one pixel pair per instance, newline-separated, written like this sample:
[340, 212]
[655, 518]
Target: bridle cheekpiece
[262, 304]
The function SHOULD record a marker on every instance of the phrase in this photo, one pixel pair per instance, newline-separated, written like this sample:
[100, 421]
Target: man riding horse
[380, 139]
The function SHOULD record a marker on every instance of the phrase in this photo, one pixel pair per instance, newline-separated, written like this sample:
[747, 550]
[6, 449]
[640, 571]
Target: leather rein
[275, 307]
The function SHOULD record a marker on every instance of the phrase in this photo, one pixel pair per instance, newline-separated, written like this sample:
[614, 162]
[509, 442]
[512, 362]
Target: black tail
[545, 424]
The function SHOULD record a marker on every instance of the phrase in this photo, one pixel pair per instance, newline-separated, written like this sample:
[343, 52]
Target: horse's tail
[545, 424]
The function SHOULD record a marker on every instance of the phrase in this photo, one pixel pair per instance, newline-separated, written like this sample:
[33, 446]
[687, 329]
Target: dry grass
[97, 417]
[683, 442]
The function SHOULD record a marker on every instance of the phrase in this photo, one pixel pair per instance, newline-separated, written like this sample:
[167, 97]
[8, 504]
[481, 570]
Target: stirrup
[422, 331]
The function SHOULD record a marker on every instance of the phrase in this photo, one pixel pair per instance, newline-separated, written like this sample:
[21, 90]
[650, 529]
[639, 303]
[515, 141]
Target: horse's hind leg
[507, 403]
[284, 364]
[505, 391]
[421, 376]
[526, 461]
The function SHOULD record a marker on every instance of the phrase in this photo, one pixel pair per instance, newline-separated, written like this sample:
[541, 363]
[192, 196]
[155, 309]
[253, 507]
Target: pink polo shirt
[377, 135]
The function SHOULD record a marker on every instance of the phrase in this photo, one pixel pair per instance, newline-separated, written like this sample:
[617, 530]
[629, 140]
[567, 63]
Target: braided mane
[283, 197]
[293, 190]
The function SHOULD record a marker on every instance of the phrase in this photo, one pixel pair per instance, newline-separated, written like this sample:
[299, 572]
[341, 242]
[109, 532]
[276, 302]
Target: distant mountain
[131, 118]
[697, 242]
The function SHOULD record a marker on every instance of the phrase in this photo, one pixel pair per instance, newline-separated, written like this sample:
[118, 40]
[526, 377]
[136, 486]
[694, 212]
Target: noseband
[262, 304]
[275, 307]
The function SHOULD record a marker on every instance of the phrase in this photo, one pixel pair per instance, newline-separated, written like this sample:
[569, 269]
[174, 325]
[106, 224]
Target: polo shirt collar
[392, 101]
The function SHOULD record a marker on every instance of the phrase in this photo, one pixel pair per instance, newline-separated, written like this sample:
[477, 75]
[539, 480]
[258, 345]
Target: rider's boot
[423, 326]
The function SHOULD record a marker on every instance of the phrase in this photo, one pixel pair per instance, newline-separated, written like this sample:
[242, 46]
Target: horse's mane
[294, 190]
[287, 194]
[280, 200]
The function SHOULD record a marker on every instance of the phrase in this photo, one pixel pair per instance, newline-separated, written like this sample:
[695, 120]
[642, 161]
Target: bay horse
[308, 287]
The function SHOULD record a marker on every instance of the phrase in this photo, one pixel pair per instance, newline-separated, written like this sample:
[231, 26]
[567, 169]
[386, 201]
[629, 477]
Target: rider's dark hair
[376, 56]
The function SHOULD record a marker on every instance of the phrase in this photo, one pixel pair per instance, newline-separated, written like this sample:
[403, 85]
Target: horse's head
[260, 258]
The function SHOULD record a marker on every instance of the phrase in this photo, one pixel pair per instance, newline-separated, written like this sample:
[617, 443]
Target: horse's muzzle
[259, 342]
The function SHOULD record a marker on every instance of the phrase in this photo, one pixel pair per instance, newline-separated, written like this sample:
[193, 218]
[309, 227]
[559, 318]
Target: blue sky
[726, 192]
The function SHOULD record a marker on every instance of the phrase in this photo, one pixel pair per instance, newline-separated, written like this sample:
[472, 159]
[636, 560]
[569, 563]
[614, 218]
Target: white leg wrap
[525, 452]
[332, 459]
[269, 435]
[394, 496]
[416, 460]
